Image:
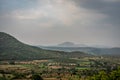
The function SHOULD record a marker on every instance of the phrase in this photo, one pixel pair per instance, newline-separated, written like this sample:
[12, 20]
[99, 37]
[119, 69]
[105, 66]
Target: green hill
[12, 49]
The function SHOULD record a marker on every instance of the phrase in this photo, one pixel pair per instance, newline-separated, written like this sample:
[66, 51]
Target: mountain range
[95, 50]
[13, 49]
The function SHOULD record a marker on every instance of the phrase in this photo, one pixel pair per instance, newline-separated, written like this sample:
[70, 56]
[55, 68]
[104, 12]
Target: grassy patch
[82, 68]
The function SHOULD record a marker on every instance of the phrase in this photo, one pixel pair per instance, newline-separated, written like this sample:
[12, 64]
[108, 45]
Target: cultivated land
[66, 69]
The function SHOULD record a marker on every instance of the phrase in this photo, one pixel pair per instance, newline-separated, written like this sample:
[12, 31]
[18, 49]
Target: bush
[36, 77]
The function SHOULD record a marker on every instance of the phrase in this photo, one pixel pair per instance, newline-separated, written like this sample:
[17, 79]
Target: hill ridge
[13, 49]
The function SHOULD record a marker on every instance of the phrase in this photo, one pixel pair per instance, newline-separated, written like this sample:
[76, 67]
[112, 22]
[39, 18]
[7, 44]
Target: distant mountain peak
[71, 44]
[66, 44]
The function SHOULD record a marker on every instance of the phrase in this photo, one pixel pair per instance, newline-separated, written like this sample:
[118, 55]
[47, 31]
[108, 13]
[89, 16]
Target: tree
[12, 63]
[3, 78]
[115, 75]
[101, 76]
[18, 75]
[36, 77]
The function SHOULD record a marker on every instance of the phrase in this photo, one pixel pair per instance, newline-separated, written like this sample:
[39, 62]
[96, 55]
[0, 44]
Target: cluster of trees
[21, 76]
[114, 75]
[93, 75]
[74, 75]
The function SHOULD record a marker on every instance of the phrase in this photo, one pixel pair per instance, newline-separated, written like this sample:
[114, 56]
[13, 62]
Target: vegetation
[12, 49]
[93, 68]
[36, 77]
[19, 61]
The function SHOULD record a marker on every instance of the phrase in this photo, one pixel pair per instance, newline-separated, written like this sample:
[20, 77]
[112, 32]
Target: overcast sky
[47, 22]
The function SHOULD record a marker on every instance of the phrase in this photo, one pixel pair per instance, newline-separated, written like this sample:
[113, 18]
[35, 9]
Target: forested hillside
[12, 49]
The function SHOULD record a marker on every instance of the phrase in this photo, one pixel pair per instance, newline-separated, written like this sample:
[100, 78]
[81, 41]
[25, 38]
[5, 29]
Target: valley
[19, 61]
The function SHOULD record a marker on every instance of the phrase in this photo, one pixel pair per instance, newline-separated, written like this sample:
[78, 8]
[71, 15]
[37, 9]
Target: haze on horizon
[48, 22]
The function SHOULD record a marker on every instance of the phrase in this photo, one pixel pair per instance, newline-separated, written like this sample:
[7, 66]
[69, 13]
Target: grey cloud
[108, 7]
[82, 22]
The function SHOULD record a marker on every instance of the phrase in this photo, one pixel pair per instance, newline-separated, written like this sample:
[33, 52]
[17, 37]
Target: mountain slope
[12, 49]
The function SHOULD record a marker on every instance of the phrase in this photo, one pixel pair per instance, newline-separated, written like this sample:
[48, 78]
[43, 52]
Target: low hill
[90, 50]
[13, 49]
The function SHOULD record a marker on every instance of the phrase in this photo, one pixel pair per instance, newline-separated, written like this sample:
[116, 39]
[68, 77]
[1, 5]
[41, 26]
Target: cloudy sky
[47, 22]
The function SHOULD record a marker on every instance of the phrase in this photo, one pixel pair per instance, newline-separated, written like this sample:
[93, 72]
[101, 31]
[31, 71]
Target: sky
[48, 22]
